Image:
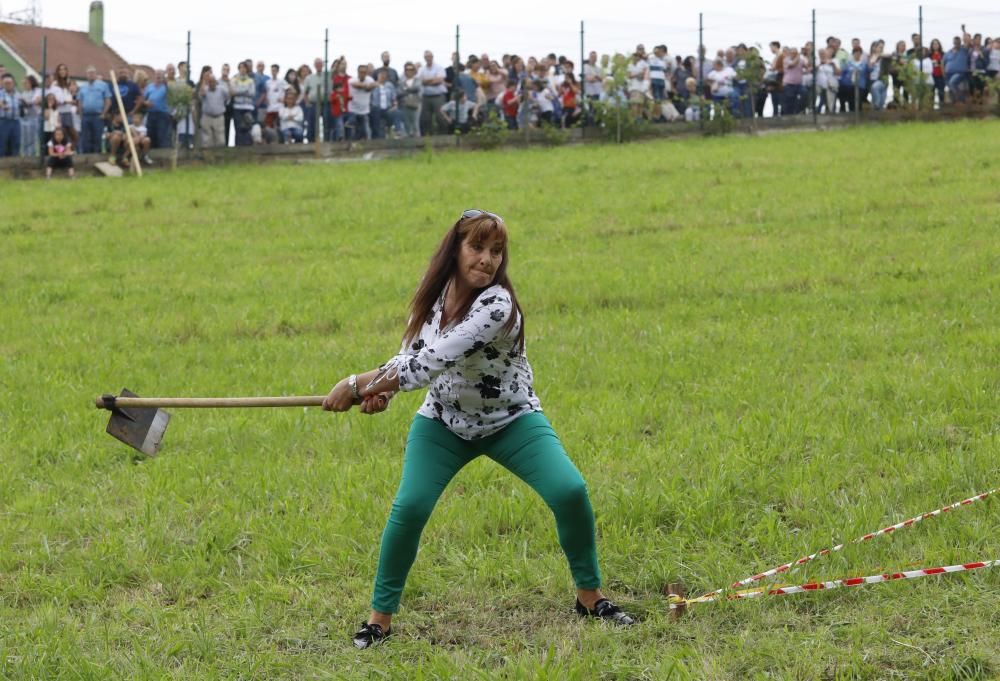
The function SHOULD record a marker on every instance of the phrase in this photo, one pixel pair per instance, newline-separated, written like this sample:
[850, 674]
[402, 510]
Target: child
[60, 154]
[140, 137]
[291, 119]
[509, 103]
[51, 116]
[694, 102]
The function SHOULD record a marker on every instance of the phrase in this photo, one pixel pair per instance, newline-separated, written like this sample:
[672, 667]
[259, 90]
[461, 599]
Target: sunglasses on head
[475, 213]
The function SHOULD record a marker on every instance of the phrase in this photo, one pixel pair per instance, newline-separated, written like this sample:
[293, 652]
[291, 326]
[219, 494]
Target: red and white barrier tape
[788, 567]
[677, 601]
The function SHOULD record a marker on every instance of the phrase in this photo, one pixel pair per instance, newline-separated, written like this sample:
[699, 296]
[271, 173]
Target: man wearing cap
[94, 97]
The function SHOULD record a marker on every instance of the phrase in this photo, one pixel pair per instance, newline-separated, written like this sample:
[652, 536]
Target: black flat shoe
[607, 611]
[370, 635]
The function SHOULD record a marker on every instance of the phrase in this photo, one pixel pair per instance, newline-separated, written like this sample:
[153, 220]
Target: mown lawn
[752, 348]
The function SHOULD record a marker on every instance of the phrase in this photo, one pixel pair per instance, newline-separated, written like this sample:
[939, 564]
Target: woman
[937, 59]
[294, 84]
[31, 111]
[409, 100]
[853, 86]
[465, 339]
[63, 88]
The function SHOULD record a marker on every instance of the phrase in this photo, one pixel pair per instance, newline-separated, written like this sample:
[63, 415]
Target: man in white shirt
[431, 78]
[359, 105]
[638, 74]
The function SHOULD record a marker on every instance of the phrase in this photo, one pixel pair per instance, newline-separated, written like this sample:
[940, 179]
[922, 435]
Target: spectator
[293, 83]
[214, 101]
[638, 74]
[467, 111]
[510, 104]
[497, 78]
[853, 86]
[260, 92]
[60, 154]
[157, 111]
[359, 104]
[10, 124]
[977, 69]
[773, 81]
[465, 82]
[291, 119]
[805, 100]
[384, 107]
[694, 103]
[568, 97]
[128, 91]
[409, 100]
[878, 74]
[31, 110]
[897, 70]
[274, 89]
[62, 87]
[937, 69]
[957, 67]
[339, 98]
[658, 65]
[184, 126]
[315, 88]
[140, 138]
[95, 103]
[791, 84]
[390, 73]
[50, 120]
[593, 78]
[827, 81]
[242, 91]
[721, 80]
[431, 77]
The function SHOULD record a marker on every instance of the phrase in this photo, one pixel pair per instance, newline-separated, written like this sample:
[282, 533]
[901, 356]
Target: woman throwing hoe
[465, 342]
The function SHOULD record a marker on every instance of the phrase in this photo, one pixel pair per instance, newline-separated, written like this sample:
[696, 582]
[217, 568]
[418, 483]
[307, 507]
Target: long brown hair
[442, 268]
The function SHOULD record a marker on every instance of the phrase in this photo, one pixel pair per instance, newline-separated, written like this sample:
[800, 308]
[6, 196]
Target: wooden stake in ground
[127, 123]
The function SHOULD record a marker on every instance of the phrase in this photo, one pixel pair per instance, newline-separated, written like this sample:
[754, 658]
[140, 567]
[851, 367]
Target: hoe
[140, 422]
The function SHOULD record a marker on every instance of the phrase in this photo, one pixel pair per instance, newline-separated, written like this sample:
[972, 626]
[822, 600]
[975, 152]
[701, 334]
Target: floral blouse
[479, 380]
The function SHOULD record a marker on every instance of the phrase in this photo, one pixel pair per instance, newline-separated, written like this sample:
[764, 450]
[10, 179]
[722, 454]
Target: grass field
[751, 347]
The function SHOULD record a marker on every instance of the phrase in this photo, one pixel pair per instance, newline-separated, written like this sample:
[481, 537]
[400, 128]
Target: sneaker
[147, 160]
[112, 159]
[607, 611]
[370, 635]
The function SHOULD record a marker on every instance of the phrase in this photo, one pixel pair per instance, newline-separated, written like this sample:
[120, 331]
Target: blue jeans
[289, 135]
[790, 104]
[378, 122]
[29, 136]
[958, 84]
[309, 112]
[158, 127]
[10, 137]
[91, 132]
[659, 89]
[879, 92]
[334, 128]
[362, 125]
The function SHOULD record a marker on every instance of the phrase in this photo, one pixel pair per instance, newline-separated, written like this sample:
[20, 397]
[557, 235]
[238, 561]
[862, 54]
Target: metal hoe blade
[141, 428]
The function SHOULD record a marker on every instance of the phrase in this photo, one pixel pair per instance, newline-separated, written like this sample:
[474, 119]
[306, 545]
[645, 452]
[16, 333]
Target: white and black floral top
[479, 380]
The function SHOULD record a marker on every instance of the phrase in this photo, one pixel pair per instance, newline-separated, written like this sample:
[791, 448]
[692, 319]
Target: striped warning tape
[678, 601]
[788, 567]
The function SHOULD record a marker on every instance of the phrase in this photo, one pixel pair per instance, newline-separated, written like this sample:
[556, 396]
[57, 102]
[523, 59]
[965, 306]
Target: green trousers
[530, 449]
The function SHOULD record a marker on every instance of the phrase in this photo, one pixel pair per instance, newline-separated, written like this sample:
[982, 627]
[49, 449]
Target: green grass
[751, 347]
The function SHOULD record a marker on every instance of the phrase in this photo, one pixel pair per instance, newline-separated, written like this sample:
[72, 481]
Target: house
[21, 49]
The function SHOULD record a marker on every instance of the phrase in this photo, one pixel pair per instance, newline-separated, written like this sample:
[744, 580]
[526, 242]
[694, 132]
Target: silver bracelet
[352, 382]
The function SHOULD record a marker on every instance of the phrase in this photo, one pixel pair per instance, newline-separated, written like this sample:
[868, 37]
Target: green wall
[12, 65]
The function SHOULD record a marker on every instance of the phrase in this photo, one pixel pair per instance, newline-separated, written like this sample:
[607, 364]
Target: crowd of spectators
[257, 104]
